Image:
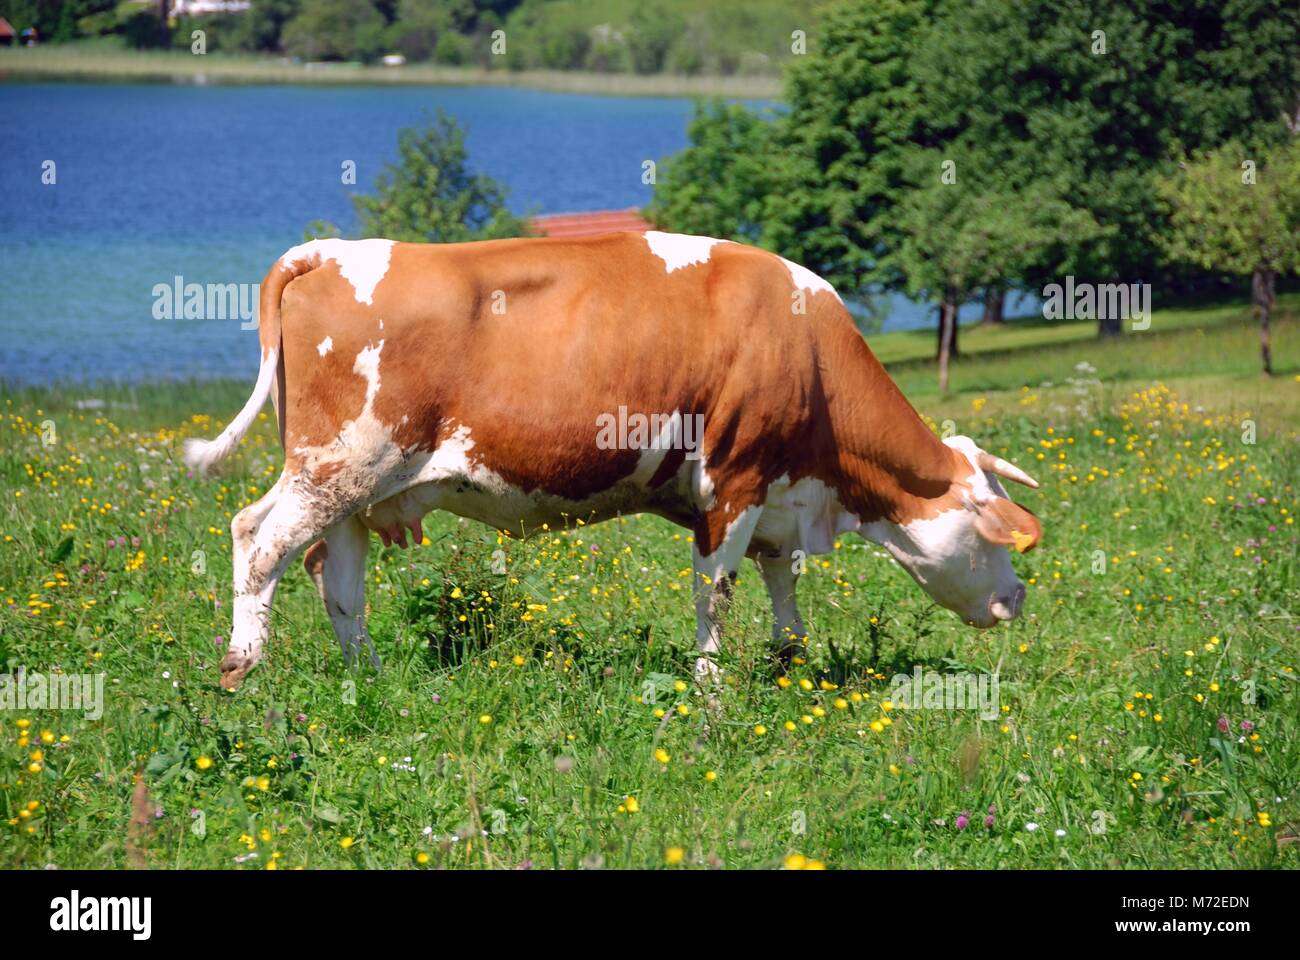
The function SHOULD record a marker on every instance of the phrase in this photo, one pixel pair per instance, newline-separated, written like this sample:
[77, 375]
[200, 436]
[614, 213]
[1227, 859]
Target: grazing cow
[484, 378]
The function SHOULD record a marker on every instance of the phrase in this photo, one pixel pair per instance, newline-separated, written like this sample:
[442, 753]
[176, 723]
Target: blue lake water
[213, 183]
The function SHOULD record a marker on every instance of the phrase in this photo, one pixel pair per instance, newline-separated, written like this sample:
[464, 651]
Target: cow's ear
[1004, 522]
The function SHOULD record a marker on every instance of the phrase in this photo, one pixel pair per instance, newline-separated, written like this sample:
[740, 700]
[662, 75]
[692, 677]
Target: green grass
[1022, 333]
[531, 724]
[99, 62]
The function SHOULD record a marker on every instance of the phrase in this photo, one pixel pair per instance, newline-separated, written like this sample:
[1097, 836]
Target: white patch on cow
[806, 516]
[367, 365]
[364, 443]
[362, 263]
[451, 461]
[984, 486]
[950, 560]
[702, 490]
[946, 538]
[325, 346]
[807, 280]
[652, 457]
[678, 250]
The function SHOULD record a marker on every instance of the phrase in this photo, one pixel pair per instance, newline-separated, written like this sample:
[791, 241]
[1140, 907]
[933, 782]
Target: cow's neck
[888, 464]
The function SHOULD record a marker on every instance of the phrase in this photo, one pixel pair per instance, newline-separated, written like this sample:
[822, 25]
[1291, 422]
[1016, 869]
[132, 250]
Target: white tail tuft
[202, 455]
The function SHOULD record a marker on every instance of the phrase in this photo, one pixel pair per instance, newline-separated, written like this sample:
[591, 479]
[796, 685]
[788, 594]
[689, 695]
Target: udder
[391, 519]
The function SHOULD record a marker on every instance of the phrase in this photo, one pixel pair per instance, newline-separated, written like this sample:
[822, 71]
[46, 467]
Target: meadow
[543, 713]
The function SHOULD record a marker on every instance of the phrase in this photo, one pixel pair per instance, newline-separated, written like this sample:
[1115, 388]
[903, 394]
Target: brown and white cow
[474, 378]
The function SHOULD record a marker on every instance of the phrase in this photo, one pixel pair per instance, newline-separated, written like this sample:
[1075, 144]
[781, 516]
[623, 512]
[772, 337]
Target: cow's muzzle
[1008, 607]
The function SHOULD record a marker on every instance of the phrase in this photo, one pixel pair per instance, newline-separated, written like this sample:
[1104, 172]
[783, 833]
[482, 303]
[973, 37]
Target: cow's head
[960, 554]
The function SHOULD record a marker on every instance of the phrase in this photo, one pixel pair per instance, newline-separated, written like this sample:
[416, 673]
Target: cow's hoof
[234, 667]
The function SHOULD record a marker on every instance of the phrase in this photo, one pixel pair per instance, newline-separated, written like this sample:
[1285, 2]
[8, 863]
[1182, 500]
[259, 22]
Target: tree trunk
[954, 349]
[1263, 294]
[994, 298]
[1110, 326]
[947, 337]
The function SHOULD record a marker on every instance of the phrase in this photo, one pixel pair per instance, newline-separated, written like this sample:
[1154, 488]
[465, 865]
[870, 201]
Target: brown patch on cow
[1009, 524]
[314, 558]
[314, 561]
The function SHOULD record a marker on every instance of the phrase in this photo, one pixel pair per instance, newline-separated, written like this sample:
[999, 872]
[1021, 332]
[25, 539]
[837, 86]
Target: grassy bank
[899, 347]
[1146, 714]
[105, 63]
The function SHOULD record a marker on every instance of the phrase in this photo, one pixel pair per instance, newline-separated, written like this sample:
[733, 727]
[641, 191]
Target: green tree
[719, 187]
[421, 24]
[259, 27]
[430, 195]
[958, 238]
[335, 30]
[653, 29]
[1237, 211]
[1100, 90]
[1082, 98]
[839, 155]
[821, 182]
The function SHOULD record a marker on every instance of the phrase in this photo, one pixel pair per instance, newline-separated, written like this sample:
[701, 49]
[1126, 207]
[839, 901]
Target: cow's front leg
[781, 577]
[721, 540]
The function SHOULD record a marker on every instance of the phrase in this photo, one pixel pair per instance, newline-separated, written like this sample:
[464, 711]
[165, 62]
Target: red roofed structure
[593, 222]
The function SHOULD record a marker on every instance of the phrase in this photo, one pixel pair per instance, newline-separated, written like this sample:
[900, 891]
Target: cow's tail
[202, 455]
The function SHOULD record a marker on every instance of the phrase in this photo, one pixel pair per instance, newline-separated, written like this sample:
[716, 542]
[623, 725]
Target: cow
[476, 378]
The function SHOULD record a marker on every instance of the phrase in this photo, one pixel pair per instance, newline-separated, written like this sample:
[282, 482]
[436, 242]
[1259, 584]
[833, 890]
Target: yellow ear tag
[1023, 541]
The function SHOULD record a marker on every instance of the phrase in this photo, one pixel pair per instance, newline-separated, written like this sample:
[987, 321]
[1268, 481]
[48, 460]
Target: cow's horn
[1004, 469]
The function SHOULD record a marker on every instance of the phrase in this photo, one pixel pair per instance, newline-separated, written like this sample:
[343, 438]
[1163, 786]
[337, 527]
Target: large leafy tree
[1238, 212]
[1081, 100]
[840, 155]
[721, 186]
[259, 27]
[431, 194]
[960, 236]
[336, 30]
[1090, 95]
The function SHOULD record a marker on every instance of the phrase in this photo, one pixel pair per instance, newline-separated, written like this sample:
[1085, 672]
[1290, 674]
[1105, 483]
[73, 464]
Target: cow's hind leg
[299, 512]
[338, 565]
[726, 538]
[781, 579]
[243, 538]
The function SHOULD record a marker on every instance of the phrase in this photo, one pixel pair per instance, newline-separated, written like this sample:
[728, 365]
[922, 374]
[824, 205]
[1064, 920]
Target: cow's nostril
[1008, 608]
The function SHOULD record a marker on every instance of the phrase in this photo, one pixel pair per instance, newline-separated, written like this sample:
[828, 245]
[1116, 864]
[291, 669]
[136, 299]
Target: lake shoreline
[904, 353]
[18, 65]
